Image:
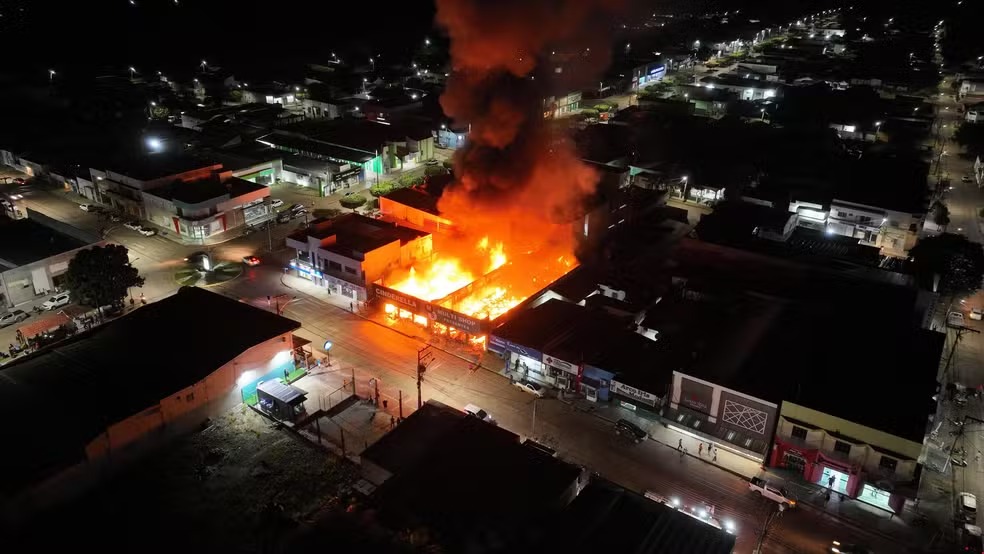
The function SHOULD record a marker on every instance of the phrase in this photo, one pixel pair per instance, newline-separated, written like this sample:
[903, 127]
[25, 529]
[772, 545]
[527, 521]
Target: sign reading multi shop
[433, 312]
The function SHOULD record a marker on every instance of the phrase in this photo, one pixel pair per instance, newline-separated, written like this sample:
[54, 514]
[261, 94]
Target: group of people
[712, 450]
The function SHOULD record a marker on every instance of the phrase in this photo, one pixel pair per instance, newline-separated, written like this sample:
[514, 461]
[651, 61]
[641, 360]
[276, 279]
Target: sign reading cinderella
[433, 312]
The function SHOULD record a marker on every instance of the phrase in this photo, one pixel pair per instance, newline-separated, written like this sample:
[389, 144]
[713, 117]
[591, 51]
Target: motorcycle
[959, 451]
[959, 462]
[956, 422]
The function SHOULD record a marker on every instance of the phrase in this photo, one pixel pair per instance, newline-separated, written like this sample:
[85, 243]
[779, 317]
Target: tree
[432, 170]
[352, 201]
[101, 276]
[382, 189]
[956, 262]
[410, 180]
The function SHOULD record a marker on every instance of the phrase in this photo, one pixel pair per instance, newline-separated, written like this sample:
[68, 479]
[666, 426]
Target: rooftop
[203, 190]
[355, 233]
[298, 144]
[518, 487]
[608, 518]
[26, 241]
[398, 451]
[149, 167]
[414, 198]
[93, 372]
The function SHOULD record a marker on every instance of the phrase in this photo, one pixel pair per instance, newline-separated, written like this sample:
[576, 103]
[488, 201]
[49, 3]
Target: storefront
[523, 362]
[595, 383]
[349, 290]
[566, 375]
[634, 398]
[444, 322]
[816, 467]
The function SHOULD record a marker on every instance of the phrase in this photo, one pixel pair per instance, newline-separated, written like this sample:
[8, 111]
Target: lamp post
[132, 72]
[204, 65]
[51, 75]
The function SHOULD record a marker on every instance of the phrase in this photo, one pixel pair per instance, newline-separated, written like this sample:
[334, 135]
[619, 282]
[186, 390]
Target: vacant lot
[238, 486]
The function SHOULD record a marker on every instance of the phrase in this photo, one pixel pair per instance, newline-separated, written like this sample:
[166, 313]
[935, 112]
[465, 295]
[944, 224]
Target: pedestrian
[680, 445]
[715, 454]
[392, 422]
[830, 482]
[977, 457]
[700, 449]
[352, 307]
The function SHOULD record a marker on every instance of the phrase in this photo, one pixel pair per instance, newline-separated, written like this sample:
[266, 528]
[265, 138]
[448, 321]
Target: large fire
[506, 283]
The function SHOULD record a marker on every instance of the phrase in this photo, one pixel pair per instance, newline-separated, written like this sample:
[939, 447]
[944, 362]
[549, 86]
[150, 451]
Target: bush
[382, 189]
[602, 107]
[432, 170]
[588, 112]
[410, 180]
[352, 201]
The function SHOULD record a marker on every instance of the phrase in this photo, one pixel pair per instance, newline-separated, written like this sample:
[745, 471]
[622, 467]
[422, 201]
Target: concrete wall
[727, 408]
[881, 439]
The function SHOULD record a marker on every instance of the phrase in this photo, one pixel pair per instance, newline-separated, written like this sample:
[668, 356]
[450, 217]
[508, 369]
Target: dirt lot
[238, 486]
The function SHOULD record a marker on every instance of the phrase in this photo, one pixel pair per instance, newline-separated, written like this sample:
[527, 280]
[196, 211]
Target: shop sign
[696, 396]
[497, 344]
[395, 296]
[561, 364]
[344, 175]
[633, 393]
[433, 312]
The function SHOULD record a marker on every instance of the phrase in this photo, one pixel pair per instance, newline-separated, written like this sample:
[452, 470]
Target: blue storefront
[525, 362]
[595, 383]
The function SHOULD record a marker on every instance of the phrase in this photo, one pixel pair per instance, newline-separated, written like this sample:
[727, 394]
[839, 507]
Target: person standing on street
[700, 449]
[680, 446]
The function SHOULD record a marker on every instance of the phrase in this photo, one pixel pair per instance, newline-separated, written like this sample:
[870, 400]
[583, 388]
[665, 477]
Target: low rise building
[202, 208]
[348, 253]
[120, 184]
[34, 256]
[118, 415]
[745, 88]
[647, 75]
[415, 208]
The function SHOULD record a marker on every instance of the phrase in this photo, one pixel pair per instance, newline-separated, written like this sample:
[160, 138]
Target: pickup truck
[772, 492]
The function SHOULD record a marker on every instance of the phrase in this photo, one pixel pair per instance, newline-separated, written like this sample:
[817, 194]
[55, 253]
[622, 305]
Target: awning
[47, 323]
[299, 342]
[284, 393]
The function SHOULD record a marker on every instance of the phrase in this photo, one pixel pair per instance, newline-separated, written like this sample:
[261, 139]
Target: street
[374, 350]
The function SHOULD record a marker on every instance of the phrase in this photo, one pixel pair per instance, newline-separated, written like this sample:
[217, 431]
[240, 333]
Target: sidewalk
[811, 496]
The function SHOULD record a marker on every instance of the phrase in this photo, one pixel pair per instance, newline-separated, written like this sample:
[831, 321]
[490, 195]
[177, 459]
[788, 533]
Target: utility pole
[953, 349]
[765, 531]
[424, 357]
[533, 423]
[401, 403]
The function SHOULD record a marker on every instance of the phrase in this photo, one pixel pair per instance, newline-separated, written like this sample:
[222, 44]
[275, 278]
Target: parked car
[955, 319]
[295, 207]
[531, 388]
[86, 207]
[772, 492]
[276, 202]
[965, 179]
[431, 162]
[977, 314]
[251, 260]
[132, 225]
[474, 410]
[15, 316]
[633, 432]
[968, 507]
[56, 301]
[970, 539]
[147, 232]
[19, 180]
[284, 216]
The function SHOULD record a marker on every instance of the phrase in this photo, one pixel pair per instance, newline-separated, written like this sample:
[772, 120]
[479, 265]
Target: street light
[132, 71]
[51, 75]
[204, 65]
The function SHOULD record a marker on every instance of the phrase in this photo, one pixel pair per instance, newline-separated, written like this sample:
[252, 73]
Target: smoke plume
[515, 174]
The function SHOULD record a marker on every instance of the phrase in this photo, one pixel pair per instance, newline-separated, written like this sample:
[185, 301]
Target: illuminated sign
[633, 393]
[561, 365]
[434, 312]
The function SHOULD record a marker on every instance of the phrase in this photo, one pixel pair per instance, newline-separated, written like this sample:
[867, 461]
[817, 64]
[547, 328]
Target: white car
[56, 301]
[474, 410]
[15, 316]
[772, 492]
[977, 314]
[531, 388]
[955, 319]
[146, 232]
[85, 207]
[132, 225]
[968, 507]
[276, 203]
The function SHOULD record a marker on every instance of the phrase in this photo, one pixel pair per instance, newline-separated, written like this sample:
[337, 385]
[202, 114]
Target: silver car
[15, 316]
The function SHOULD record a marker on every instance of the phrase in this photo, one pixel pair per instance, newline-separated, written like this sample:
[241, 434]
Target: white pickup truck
[772, 492]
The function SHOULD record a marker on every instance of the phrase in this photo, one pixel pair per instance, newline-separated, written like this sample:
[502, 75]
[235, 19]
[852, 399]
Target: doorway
[839, 483]
[875, 497]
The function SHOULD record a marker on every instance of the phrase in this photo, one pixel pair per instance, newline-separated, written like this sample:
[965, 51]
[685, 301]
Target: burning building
[508, 224]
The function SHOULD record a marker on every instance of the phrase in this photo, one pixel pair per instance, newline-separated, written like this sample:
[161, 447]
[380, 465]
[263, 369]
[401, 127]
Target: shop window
[350, 270]
[697, 422]
[680, 417]
[798, 433]
[730, 436]
[888, 463]
[842, 447]
[335, 266]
